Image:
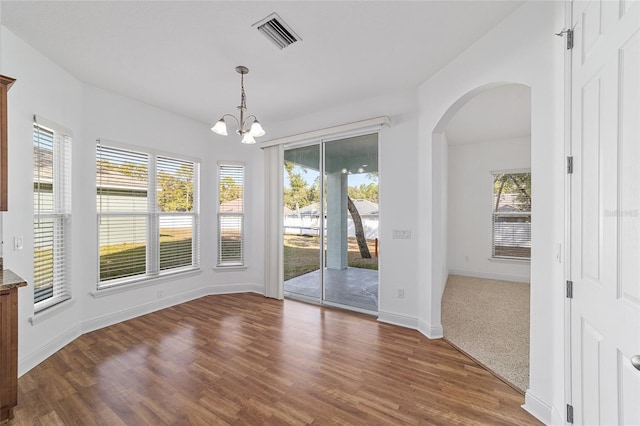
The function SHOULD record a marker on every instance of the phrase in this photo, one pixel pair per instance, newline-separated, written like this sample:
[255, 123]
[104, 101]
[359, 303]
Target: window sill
[508, 260]
[230, 268]
[51, 311]
[143, 282]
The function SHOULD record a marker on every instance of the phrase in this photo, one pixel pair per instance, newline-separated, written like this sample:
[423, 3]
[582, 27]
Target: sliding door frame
[274, 188]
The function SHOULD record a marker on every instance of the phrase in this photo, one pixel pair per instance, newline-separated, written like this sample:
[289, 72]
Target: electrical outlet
[18, 243]
[401, 293]
[160, 294]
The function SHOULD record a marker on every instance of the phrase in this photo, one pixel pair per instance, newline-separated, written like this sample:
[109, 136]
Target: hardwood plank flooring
[246, 360]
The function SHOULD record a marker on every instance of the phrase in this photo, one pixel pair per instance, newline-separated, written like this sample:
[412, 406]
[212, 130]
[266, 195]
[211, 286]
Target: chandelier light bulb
[256, 129]
[220, 127]
[248, 138]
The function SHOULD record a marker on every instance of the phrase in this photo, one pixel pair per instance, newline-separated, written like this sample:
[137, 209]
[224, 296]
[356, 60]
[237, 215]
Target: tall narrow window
[147, 214]
[511, 216]
[52, 213]
[230, 214]
[177, 217]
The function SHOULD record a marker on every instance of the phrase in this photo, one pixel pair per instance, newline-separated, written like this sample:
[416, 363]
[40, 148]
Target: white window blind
[511, 218]
[147, 214]
[177, 218]
[123, 212]
[230, 214]
[52, 214]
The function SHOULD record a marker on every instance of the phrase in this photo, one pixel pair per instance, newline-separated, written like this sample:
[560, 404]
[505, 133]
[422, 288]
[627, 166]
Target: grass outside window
[302, 255]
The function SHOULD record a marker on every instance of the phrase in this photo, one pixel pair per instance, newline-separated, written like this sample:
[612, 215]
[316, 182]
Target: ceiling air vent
[276, 30]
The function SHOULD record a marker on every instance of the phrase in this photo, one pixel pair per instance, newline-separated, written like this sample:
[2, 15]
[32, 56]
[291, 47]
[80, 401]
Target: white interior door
[605, 213]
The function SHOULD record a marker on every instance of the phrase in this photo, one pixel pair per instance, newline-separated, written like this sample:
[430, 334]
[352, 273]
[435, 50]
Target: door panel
[590, 147]
[605, 212]
[302, 223]
[591, 372]
[351, 174]
[629, 379]
[629, 172]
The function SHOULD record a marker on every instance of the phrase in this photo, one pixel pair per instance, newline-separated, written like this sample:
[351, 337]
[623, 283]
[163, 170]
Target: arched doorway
[484, 142]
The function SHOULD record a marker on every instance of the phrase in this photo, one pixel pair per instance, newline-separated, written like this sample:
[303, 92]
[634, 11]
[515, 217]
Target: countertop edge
[9, 280]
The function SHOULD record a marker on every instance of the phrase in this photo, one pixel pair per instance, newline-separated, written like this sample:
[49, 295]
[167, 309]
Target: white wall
[45, 89]
[470, 203]
[521, 49]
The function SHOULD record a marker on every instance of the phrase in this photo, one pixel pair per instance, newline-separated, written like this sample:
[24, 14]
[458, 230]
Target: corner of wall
[399, 320]
[30, 361]
[538, 408]
[430, 331]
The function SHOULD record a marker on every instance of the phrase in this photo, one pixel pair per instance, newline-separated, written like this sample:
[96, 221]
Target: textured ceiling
[180, 56]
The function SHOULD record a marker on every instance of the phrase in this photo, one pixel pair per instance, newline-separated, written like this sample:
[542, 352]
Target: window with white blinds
[52, 214]
[230, 214]
[148, 217]
[511, 218]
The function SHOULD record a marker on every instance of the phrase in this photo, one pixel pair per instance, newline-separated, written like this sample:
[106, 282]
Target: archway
[482, 206]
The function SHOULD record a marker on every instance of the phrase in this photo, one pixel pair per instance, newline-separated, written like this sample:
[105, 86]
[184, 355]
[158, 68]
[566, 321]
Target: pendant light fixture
[247, 132]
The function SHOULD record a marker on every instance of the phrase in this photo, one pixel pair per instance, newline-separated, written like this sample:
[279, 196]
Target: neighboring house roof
[508, 203]
[116, 180]
[233, 206]
[364, 207]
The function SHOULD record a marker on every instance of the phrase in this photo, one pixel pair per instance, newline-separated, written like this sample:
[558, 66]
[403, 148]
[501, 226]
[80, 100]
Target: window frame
[495, 214]
[153, 214]
[241, 263]
[60, 212]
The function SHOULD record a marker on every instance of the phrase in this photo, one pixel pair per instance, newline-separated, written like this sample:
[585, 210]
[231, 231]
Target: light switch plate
[402, 234]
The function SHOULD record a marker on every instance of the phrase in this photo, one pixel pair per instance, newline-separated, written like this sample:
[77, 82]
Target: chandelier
[247, 132]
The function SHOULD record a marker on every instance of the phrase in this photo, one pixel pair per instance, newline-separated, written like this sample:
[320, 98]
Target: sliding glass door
[331, 219]
[303, 225]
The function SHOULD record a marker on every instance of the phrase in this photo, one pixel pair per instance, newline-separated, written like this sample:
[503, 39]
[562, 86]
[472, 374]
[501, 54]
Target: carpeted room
[485, 304]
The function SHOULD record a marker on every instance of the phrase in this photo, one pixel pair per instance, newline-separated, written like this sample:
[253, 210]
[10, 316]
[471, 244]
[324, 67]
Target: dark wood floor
[247, 360]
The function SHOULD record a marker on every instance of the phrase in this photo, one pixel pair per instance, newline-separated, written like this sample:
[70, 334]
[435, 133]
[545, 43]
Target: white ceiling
[500, 113]
[180, 56]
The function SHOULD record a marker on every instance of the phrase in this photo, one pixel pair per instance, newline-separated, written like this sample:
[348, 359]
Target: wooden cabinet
[9, 283]
[5, 84]
[8, 352]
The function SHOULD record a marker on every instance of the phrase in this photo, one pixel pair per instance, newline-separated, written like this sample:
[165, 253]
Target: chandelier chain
[243, 99]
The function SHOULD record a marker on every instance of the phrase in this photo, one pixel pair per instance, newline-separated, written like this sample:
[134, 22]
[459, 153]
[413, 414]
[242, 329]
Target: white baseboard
[35, 358]
[490, 276]
[127, 314]
[156, 305]
[396, 319]
[236, 288]
[537, 408]
[432, 332]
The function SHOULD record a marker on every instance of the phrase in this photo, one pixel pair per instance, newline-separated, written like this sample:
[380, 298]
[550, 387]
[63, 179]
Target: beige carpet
[489, 320]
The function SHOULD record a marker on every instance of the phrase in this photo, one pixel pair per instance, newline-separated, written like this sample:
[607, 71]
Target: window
[52, 213]
[148, 214]
[511, 216]
[230, 214]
